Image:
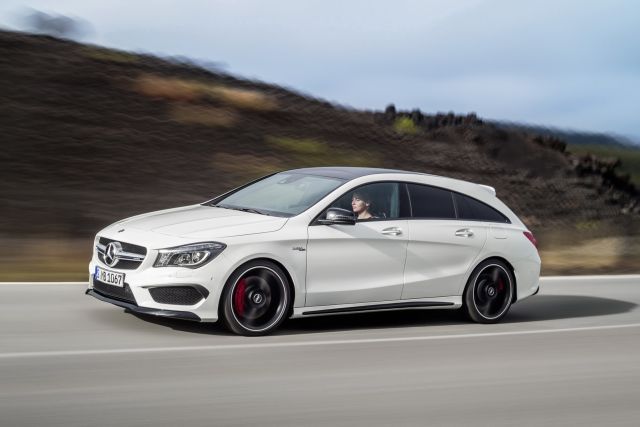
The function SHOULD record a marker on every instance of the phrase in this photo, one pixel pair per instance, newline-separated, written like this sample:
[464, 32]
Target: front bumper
[141, 282]
[186, 315]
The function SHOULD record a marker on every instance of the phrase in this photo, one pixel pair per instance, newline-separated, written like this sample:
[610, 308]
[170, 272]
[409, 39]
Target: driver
[361, 205]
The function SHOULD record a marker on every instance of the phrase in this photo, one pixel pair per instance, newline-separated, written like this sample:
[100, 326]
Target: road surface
[568, 356]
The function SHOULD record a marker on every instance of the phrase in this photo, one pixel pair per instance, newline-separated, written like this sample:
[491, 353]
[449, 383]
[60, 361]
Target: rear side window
[431, 202]
[469, 208]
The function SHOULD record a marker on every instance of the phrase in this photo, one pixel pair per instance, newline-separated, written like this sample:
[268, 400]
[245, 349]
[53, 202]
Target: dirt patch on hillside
[603, 255]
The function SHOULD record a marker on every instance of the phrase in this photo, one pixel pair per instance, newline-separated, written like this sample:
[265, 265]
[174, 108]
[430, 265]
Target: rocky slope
[90, 135]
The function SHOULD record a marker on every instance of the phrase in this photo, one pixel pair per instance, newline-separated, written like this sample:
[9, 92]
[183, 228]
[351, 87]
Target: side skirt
[441, 302]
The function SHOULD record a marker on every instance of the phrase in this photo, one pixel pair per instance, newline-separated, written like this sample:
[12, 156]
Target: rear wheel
[256, 299]
[489, 293]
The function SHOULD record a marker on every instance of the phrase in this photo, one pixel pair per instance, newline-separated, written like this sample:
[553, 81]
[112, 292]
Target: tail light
[532, 239]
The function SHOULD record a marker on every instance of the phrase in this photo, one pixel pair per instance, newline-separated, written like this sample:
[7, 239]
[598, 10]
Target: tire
[256, 299]
[489, 292]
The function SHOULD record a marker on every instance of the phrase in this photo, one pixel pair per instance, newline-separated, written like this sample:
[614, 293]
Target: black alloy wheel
[489, 293]
[256, 299]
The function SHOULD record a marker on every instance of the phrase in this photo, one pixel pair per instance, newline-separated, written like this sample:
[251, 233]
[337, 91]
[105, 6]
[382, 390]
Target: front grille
[128, 248]
[176, 295]
[122, 265]
[116, 292]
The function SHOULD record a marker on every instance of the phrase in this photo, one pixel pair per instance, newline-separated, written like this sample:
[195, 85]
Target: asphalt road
[568, 356]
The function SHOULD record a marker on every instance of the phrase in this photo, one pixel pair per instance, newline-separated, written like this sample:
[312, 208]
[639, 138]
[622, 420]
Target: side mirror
[338, 216]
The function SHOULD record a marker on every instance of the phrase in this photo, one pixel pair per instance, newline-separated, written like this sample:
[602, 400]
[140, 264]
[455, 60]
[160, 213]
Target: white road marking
[603, 277]
[304, 343]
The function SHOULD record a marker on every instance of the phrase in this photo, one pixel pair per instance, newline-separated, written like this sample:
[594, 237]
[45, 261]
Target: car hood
[202, 222]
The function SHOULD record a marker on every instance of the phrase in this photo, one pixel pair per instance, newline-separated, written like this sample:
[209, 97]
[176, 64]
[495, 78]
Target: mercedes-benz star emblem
[111, 253]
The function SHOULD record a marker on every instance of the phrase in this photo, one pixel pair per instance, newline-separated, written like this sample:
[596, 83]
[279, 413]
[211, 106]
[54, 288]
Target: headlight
[190, 256]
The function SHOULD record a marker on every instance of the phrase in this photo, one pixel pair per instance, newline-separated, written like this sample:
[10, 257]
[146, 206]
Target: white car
[318, 241]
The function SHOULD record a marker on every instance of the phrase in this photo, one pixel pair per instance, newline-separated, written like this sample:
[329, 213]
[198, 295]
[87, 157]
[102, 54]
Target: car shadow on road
[538, 308]
[552, 307]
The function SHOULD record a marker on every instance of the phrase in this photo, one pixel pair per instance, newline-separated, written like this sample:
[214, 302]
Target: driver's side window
[372, 201]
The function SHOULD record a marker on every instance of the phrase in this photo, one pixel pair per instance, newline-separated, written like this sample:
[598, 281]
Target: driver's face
[358, 205]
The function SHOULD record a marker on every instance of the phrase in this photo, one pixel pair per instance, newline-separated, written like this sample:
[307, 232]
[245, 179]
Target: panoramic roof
[347, 173]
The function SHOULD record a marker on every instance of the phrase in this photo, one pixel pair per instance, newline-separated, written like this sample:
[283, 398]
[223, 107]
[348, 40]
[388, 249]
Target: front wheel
[489, 293]
[255, 299]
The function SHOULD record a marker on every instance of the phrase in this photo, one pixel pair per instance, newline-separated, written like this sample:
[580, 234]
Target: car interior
[383, 197]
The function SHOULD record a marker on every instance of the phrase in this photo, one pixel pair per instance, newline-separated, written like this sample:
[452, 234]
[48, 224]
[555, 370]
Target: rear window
[431, 202]
[472, 209]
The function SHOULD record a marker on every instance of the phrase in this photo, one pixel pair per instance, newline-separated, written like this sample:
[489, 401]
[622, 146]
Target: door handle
[392, 231]
[465, 232]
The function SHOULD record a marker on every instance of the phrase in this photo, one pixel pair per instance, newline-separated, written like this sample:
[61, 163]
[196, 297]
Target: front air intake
[177, 295]
[120, 293]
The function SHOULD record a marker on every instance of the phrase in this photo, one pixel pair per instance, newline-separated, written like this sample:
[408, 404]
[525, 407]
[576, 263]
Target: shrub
[110, 55]
[304, 146]
[208, 116]
[405, 126]
[303, 152]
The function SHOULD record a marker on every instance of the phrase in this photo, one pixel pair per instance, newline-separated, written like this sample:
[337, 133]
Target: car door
[364, 262]
[442, 248]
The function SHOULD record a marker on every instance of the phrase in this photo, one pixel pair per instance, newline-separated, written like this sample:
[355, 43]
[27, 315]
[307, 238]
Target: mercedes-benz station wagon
[319, 241]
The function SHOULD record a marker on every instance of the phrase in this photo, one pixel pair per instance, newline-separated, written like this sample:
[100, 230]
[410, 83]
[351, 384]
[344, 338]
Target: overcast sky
[564, 63]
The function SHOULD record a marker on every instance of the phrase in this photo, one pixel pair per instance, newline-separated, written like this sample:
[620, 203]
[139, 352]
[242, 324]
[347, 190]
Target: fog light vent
[176, 295]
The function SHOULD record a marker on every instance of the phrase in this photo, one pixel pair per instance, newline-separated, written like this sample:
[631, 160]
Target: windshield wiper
[237, 208]
[251, 211]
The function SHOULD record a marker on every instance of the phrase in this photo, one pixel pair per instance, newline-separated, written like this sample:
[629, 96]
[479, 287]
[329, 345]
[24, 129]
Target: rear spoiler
[488, 188]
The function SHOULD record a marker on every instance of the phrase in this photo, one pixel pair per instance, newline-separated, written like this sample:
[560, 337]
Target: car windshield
[283, 194]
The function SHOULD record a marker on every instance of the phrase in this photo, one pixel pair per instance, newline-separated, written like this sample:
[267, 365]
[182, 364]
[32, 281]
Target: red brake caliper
[238, 297]
[500, 285]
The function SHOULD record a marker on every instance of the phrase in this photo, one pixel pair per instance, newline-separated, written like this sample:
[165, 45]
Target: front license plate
[109, 277]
